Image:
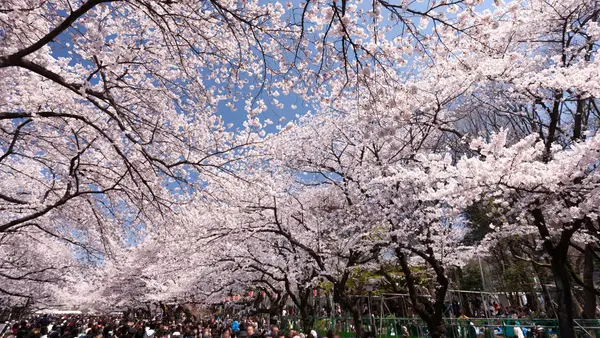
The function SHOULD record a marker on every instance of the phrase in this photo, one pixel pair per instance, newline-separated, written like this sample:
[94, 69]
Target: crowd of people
[80, 326]
[495, 310]
[117, 326]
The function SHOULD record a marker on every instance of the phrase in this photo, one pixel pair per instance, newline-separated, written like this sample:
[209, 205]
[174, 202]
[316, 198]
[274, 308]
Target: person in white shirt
[519, 332]
[149, 333]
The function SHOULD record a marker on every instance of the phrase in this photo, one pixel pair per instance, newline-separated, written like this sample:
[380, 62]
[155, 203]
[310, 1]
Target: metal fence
[387, 327]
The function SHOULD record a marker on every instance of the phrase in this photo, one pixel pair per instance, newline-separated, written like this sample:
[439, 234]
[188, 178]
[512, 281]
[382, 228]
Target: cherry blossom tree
[109, 108]
[33, 264]
[552, 200]
[528, 68]
[302, 245]
[114, 144]
[367, 170]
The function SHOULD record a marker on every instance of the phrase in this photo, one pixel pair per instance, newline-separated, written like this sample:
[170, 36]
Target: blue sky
[239, 116]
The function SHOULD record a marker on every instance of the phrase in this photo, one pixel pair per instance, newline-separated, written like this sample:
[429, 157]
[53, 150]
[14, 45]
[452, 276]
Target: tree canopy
[428, 135]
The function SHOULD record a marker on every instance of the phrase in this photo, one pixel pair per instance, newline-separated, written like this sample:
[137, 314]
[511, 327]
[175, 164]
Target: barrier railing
[388, 327]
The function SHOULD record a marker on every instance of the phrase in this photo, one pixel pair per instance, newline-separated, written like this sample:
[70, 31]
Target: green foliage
[518, 275]
[480, 215]
[386, 279]
[471, 277]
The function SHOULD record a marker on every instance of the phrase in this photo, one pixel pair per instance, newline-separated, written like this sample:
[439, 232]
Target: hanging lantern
[263, 294]
[315, 292]
[274, 295]
[251, 293]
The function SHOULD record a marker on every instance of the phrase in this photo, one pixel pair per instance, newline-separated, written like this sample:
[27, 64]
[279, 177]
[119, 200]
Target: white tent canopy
[58, 312]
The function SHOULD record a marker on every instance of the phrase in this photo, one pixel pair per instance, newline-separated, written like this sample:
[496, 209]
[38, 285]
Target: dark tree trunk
[549, 308]
[589, 305]
[307, 318]
[564, 293]
[307, 322]
[558, 253]
[437, 329]
[357, 318]
[277, 306]
[552, 125]
[532, 300]
[340, 296]
[432, 313]
[578, 119]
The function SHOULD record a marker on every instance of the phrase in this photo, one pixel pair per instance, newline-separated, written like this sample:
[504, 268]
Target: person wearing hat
[235, 326]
